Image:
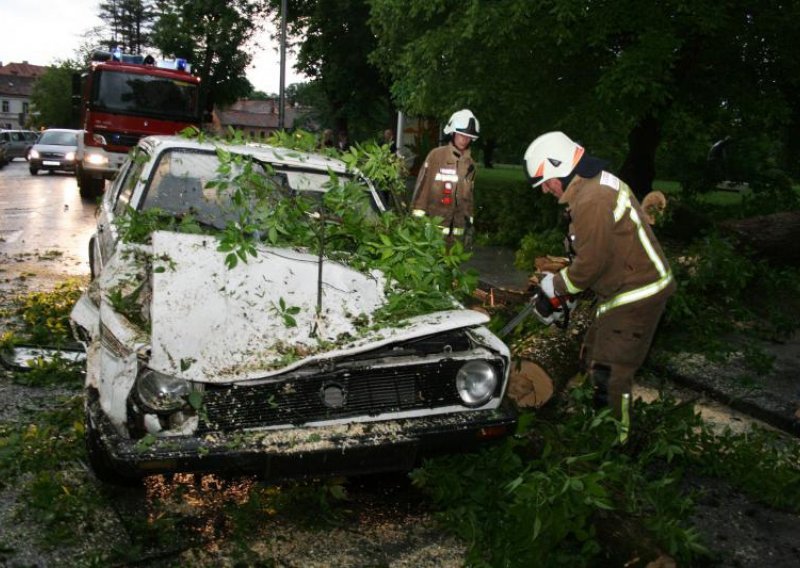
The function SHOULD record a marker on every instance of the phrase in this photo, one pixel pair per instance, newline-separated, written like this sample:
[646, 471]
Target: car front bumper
[296, 452]
[52, 164]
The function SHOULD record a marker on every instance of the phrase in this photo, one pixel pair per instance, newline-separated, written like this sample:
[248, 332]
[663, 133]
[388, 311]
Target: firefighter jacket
[616, 253]
[444, 188]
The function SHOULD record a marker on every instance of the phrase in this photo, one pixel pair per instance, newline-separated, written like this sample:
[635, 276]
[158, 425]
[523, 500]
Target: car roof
[261, 152]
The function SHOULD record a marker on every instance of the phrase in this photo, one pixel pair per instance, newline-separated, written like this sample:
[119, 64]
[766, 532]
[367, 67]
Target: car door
[115, 204]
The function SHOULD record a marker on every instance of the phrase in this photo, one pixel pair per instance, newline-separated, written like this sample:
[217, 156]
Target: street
[43, 216]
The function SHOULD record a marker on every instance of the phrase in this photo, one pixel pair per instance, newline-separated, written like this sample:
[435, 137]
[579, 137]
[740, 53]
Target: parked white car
[205, 373]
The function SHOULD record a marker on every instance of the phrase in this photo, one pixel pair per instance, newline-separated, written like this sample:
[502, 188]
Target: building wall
[16, 86]
[13, 111]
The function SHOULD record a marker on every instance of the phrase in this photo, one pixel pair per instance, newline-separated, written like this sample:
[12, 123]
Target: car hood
[217, 325]
[54, 148]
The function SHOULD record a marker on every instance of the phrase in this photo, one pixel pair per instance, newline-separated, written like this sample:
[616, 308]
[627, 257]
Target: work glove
[544, 310]
[548, 285]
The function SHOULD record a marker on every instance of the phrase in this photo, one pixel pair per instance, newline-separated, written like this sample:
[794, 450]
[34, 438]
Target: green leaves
[286, 312]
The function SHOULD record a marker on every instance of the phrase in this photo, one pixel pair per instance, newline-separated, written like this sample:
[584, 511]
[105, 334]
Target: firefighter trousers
[616, 345]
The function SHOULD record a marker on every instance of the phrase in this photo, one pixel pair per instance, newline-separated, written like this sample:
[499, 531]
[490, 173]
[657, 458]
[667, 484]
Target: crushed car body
[277, 366]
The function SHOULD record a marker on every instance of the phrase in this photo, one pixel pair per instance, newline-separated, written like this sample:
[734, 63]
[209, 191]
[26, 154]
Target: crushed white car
[270, 367]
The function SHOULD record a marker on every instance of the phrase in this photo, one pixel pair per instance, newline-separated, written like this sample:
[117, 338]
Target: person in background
[445, 182]
[343, 143]
[389, 140]
[615, 254]
[326, 141]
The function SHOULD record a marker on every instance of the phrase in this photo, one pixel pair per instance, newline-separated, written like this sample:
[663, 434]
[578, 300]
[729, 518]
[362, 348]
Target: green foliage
[721, 290]
[43, 317]
[51, 97]
[286, 312]
[348, 92]
[549, 496]
[424, 275]
[507, 208]
[51, 370]
[137, 226]
[598, 71]
[130, 22]
[211, 36]
[543, 243]
[48, 443]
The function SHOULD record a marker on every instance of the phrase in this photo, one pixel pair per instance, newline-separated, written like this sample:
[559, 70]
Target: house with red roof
[16, 86]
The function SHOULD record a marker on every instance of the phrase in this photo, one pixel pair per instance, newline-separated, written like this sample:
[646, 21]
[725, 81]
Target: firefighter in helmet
[445, 181]
[615, 254]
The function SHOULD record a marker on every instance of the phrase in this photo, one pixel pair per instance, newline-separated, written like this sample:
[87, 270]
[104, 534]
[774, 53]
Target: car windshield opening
[179, 186]
[59, 138]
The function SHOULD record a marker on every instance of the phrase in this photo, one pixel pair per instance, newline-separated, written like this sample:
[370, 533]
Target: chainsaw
[549, 311]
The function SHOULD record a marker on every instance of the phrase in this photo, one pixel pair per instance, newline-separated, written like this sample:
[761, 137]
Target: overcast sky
[42, 31]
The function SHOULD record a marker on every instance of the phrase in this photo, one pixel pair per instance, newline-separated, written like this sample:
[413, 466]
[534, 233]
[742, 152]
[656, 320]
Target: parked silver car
[277, 366]
[18, 142]
[55, 150]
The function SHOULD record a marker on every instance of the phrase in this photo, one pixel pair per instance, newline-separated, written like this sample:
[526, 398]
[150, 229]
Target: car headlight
[476, 382]
[34, 154]
[69, 157]
[162, 393]
[96, 159]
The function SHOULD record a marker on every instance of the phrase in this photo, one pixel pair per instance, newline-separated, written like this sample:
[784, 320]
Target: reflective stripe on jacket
[444, 187]
[616, 252]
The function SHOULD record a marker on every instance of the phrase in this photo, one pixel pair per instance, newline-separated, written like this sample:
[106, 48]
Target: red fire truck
[123, 98]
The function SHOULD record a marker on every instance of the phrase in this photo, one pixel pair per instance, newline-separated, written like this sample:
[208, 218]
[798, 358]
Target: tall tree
[51, 96]
[130, 22]
[625, 77]
[211, 35]
[336, 41]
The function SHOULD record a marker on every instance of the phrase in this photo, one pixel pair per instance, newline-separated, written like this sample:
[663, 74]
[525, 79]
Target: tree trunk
[639, 168]
[772, 237]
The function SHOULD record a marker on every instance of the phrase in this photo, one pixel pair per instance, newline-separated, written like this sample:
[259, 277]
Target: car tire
[33, 170]
[90, 187]
[98, 459]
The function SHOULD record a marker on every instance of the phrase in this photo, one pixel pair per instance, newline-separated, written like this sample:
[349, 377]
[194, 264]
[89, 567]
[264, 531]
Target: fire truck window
[143, 94]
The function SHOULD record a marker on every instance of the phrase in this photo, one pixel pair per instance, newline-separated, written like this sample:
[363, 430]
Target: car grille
[329, 396]
[52, 155]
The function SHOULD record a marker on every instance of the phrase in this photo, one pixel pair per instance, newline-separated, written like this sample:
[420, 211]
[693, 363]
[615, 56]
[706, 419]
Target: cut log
[542, 364]
[773, 237]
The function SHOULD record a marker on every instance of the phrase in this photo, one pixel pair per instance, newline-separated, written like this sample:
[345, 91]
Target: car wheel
[90, 187]
[33, 170]
[98, 459]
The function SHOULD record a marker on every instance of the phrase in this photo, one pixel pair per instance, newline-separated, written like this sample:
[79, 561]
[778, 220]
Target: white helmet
[551, 155]
[463, 122]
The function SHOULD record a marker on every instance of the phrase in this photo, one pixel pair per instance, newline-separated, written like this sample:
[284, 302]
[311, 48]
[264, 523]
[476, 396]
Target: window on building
[5, 106]
[24, 108]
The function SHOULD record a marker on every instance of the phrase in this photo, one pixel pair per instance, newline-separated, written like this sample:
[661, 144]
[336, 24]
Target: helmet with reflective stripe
[551, 155]
[463, 122]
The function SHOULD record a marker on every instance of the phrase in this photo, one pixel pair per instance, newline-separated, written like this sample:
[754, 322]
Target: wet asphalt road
[42, 214]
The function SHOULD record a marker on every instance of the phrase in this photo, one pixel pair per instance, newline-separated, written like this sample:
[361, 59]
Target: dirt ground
[384, 521]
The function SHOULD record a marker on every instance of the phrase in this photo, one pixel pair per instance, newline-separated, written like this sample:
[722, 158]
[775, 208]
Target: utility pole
[282, 93]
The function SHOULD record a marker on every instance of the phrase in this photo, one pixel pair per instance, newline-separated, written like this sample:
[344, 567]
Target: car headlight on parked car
[33, 154]
[70, 156]
[476, 382]
[162, 393]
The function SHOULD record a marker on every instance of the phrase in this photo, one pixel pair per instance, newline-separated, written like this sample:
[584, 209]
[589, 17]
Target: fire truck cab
[122, 99]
